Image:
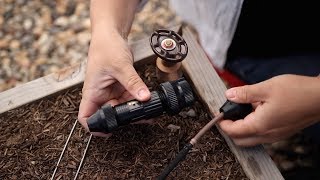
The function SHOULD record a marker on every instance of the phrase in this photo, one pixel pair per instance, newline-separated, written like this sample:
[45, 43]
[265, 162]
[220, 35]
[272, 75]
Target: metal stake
[64, 149]
[84, 155]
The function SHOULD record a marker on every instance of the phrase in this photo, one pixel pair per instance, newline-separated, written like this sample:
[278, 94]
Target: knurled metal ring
[110, 118]
[172, 98]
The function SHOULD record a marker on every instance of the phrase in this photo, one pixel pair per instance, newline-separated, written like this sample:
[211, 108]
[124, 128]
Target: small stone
[17, 34]
[61, 6]
[86, 23]
[75, 55]
[27, 24]
[22, 59]
[1, 20]
[21, 2]
[5, 62]
[40, 60]
[32, 54]
[14, 44]
[81, 7]
[191, 113]
[37, 31]
[84, 38]
[173, 128]
[33, 162]
[46, 17]
[3, 54]
[18, 18]
[27, 40]
[64, 36]
[73, 19]
[62, 21]
[3, 43]
[43, 39]
[53, 69]
[45, 43]
[61, 51]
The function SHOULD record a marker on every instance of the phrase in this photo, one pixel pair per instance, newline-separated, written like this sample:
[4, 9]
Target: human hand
[283, 106]
[110, 76]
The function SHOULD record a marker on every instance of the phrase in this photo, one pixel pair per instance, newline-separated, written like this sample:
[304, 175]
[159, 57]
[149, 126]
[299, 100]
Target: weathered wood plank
[256, 163]
[61, 80]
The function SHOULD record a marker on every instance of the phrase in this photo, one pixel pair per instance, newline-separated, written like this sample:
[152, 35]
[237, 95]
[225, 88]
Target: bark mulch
[32, 138]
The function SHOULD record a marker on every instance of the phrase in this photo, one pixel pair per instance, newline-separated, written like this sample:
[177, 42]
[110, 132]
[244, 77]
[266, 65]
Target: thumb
[247, 94]
[132, 82]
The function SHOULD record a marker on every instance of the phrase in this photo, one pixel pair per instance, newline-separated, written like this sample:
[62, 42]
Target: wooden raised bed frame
[255, 162]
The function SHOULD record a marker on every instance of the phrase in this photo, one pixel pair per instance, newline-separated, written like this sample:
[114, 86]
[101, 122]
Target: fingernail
[230, 93]
[143, 93]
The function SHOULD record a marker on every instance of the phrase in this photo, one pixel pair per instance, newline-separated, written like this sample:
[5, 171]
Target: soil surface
[32, 138]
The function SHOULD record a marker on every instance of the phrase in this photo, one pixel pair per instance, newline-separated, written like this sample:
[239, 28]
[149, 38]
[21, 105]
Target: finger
[112, 102]
[126, 96]
[256, 140]
[86, 107]
[93, 98]
[247, 93]
[132, 82]
[249, 141]
[277, 135]
[240, 128]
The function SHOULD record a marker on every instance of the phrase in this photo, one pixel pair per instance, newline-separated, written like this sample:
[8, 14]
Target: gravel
[41, 37]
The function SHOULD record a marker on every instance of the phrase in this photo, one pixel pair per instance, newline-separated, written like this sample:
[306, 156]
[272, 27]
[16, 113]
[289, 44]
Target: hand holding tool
[171, 98]
[229, 110]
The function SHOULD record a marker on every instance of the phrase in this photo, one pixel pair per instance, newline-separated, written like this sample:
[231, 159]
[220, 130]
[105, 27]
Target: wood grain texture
[255, 162]
[64, 79]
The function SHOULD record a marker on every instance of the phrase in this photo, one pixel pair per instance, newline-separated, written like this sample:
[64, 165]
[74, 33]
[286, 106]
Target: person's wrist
[108, 29]
[106, 35]
[108, 47]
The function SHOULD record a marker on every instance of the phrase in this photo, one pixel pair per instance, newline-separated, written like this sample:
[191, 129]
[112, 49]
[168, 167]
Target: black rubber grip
[104, 120]
[172, 99]
[180, 156]
[235, 111]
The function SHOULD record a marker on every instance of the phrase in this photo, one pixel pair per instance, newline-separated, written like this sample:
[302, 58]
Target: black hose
[229, 110]
[180, 156]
